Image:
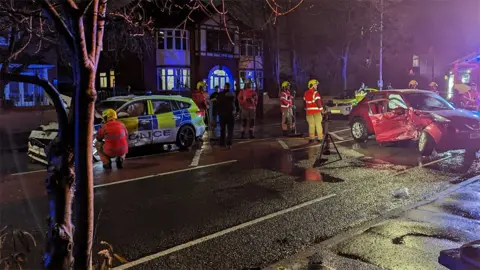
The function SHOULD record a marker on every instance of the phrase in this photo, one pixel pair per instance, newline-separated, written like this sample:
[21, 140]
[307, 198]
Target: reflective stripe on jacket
[311, 96]
[286, 100]
[115, 135]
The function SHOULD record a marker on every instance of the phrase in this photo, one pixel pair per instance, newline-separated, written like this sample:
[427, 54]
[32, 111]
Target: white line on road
[29, 172]
[342, 130]
[196, 158]
[283, 144]
[336, 136]
[220, 233]
[164, 173]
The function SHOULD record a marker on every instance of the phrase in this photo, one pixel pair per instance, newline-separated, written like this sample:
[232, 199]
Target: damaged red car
[422, 116]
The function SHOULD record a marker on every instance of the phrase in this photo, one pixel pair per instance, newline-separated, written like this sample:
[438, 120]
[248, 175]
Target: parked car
[422, 116]
[157, 119]
[342, 104]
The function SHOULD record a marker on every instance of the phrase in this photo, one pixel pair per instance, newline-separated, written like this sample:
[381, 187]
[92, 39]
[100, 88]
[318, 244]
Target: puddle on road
[313, 175]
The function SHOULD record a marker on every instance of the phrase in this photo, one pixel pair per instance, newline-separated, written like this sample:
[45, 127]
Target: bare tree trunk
[345, 66]
[59, 182]
[277, 58]
[84, 116]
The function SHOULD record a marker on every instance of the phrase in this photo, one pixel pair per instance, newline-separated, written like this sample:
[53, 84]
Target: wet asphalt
[256, 210]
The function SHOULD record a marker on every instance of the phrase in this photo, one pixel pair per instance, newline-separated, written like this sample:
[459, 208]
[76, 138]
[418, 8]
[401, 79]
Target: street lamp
[380, 80]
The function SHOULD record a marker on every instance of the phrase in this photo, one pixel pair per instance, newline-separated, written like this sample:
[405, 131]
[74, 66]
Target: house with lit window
[202, 50]
[19, 94]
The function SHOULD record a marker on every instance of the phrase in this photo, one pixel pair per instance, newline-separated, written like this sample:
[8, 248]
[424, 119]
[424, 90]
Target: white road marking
[342, 130]
[164, 173]
[196, 158]
[336, 136]
[220, 233]
[29, 172]
[283, 144]
[318, 145]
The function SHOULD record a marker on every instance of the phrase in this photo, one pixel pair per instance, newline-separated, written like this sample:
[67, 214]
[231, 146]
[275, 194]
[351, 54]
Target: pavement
[250, 207]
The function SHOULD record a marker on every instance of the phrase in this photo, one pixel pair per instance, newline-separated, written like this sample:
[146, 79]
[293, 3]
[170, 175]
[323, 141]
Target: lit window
[112, 78]
[249, 75]
[249, 48]
[103, 80]
[416, 61]
[173, 78]
[172, 39]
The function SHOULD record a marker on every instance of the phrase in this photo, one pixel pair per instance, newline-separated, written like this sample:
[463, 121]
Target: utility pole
[380, 81]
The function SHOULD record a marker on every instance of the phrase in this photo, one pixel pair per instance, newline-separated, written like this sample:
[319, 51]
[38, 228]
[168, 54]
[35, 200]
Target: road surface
[244, 208]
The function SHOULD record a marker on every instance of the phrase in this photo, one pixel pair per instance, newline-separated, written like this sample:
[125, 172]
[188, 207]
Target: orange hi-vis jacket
[311, 96]
[115, 135]
[286, 100]
[199, 98]
[248, 99]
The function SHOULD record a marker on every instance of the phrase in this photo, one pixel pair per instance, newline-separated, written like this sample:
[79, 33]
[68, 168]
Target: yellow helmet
[201, 84]
[412, 83]
[285, 84]
[433, 84]
[109, 115]
[311, 83]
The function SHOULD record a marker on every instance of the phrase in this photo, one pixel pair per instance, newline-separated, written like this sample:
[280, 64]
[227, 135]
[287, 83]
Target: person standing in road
[433, 87]
[286, 106]
[413, 84]
[248, 99]
[213, 104]
[112, 140]
[226, 111]
[314, 109]
[198, 96]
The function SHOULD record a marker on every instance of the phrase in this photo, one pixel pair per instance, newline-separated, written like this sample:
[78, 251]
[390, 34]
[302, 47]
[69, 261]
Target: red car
[423, 116]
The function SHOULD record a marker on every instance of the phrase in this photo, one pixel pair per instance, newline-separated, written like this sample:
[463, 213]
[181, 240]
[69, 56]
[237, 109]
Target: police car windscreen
[108, 104]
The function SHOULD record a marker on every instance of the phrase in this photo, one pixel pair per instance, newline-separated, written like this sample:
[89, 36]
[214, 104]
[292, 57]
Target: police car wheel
[186, 137]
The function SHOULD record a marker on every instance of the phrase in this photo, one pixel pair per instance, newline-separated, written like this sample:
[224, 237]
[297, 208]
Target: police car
[156, 119]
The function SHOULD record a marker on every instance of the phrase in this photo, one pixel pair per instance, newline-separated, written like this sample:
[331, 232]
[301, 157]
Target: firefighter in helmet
[314, 110]
[433, 87]
[199, 97]
[112, 140]
[413, 84]
[286, 107]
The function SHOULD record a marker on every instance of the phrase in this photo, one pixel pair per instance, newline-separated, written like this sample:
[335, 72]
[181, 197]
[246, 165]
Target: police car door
[163, 122]
[136, 118]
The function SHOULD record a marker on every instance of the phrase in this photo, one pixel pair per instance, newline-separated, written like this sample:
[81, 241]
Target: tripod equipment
[325, 148]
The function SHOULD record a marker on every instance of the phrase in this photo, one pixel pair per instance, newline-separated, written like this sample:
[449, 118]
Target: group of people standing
[313, 108]
[225, 105]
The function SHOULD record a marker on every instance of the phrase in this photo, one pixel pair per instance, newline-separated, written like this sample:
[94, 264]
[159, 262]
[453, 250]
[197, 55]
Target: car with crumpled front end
[419, 115]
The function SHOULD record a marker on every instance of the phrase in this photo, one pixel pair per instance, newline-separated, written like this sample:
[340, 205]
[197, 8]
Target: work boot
[107, 166]
[243, 135]
[285, 133]
[311, 141]
[251, 134]
[119, 162]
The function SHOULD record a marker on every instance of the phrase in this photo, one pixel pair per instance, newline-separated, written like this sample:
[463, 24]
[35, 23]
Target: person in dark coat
[226, 111]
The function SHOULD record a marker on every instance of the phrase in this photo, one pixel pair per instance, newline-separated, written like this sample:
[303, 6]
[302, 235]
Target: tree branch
[59, 22]
[49, 90]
